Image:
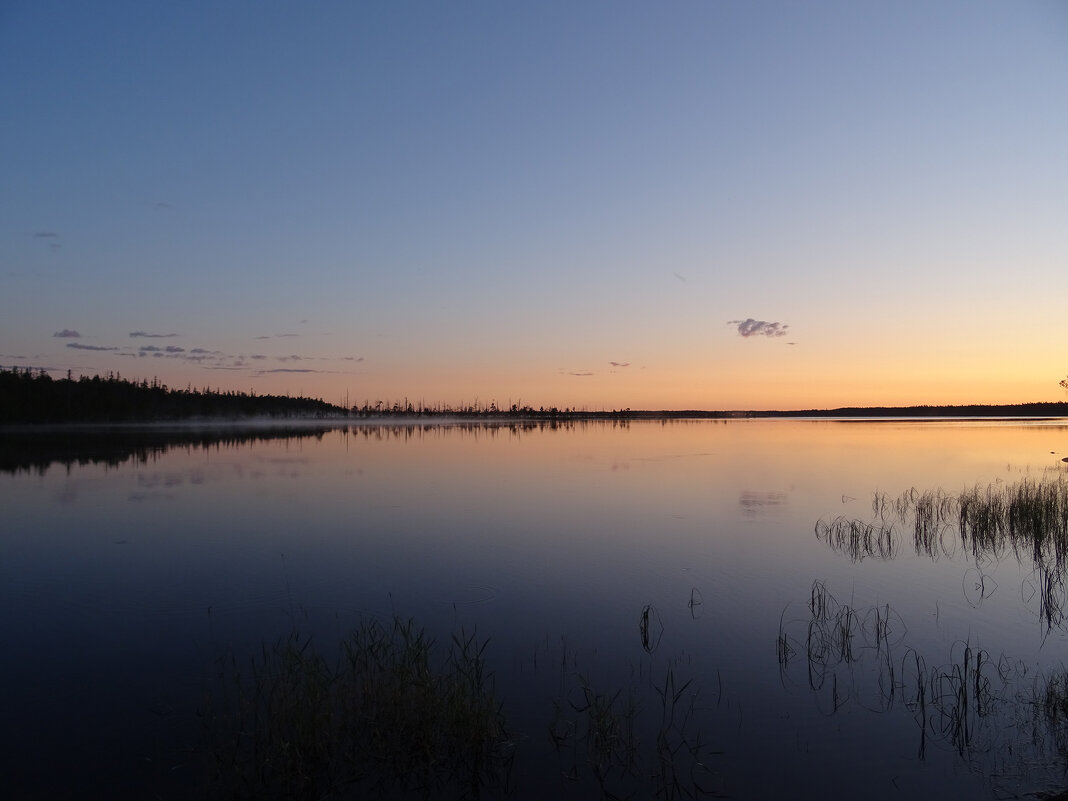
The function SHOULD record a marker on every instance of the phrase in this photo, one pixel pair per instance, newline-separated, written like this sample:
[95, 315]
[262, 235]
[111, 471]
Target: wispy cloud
[80, 346]
[45, 235]
[581, 373]
[620, 364]
[680, 277]
[759, 328]
[210, 359]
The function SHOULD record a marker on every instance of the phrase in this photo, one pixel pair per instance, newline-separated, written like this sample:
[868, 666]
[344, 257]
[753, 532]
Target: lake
[809, 642]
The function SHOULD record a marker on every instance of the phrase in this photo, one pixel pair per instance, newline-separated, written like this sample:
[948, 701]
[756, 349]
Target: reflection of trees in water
[1027, 520]
[1005, 720]
[414, 430]
[36, 452]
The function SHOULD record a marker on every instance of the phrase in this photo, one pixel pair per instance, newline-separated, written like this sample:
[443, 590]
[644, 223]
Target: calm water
[130, 563]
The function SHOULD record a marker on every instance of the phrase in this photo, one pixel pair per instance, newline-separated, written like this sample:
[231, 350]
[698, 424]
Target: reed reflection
[1002, 719]
[1025, 520]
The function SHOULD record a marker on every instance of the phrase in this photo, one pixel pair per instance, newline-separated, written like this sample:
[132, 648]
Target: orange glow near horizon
[641, 388]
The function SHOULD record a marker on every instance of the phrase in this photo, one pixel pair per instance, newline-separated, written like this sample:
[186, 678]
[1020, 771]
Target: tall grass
[393, 716]
[629, 748]
[1028, 518]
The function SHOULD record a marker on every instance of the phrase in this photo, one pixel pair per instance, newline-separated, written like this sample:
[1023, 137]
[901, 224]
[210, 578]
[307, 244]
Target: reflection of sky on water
[130, 578]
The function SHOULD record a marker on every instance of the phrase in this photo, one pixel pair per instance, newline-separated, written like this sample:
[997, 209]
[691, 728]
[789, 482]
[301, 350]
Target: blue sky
[564, 203]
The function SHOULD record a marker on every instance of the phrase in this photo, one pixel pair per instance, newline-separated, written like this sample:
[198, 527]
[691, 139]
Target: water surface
[130, 562]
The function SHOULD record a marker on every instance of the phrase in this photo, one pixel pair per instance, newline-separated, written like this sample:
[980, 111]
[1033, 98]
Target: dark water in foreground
[130, 564]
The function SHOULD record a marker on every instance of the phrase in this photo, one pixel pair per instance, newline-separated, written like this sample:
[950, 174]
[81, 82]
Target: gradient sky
[655, 205]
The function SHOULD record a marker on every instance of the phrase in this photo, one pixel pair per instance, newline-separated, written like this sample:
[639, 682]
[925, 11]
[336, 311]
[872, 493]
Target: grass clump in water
[1028, 518]
[394, 716]
[629, 751]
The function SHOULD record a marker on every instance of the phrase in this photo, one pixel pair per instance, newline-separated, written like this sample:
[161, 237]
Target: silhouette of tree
[29, 398]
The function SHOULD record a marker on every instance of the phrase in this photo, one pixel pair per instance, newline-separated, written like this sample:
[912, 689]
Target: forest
[31, 397]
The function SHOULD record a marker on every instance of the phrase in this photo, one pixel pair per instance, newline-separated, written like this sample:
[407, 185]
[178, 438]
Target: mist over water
[618, 551]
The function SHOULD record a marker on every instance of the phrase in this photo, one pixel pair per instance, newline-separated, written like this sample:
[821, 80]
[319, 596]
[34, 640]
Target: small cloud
[292, 370]
[759, 328]
[581, 374]
[79, 346]
[353, 358]
[46, 235]
[67, 333]
[174, 349]
[257, 356]
[680, 277]
[620, 364]
[162, 205]
[293, 358]
[263, 337]
[287, 335]
[148, 349]
[151, 336]
[200, 350]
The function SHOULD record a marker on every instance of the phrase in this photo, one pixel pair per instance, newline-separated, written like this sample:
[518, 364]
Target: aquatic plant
[632, 750]
[985, 709]
[651, 627]
[1027, 519]
[393, 716]
[858, 540]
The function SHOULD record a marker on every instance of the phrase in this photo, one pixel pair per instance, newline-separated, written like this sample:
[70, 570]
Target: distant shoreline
[1051, 410]
[29, 399]
[1029, 411]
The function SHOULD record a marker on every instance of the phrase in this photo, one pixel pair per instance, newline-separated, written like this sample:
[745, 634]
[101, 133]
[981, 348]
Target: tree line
[27, 396]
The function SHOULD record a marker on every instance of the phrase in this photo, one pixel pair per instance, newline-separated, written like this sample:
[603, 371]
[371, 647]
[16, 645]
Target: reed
[850, 660]
[390, 713]
[615, 746]
[1028, 518]
[394, 715]
[651, 627]
[857, 539]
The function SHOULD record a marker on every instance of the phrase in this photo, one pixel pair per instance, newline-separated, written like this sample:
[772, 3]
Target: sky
[601, 205]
